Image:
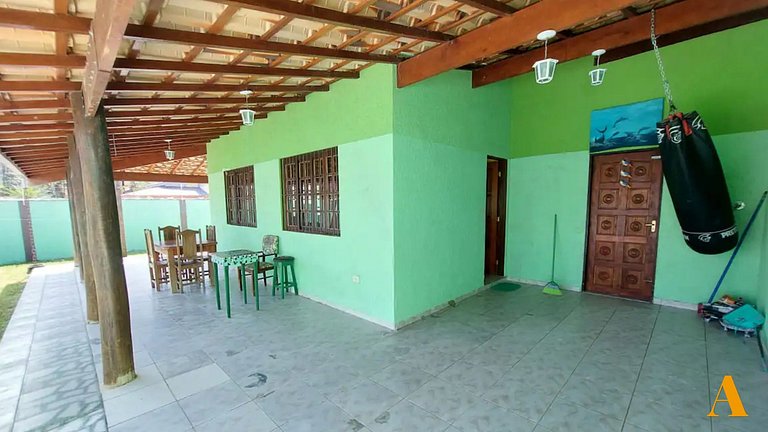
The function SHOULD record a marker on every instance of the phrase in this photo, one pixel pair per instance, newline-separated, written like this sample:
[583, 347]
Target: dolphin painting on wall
[631, 125]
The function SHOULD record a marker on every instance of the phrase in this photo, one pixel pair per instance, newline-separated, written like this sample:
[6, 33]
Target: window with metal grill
[241, 198]
[311, 192]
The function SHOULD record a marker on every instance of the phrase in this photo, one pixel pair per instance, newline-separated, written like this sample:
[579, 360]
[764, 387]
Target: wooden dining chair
[269, 248]
[167, 233]
[158, 267]
[189, 261]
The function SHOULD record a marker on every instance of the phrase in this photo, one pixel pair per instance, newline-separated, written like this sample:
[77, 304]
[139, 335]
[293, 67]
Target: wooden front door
[495, 212]
[623, 224]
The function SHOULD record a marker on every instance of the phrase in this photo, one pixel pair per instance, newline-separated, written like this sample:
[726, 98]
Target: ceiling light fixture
[169, 154]
[545, 69]
[246, 113]
[597, 75]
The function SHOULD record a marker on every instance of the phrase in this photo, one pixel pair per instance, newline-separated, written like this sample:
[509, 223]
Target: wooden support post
[72, 217]
[104, 240]
[86, 263]
[25, 216]
[183, 213]
[119, 197]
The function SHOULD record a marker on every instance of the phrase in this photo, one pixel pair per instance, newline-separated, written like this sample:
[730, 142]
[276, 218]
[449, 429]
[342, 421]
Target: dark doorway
[625, 195]
[495, 216]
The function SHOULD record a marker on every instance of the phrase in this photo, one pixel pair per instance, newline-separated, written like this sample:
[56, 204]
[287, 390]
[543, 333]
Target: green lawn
[12, 279]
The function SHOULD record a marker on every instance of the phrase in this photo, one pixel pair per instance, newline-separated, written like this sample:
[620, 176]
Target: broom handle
[554, 248]
[738, 246]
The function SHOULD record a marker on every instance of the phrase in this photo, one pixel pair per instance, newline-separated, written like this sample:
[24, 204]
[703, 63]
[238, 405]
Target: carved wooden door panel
[623, 224]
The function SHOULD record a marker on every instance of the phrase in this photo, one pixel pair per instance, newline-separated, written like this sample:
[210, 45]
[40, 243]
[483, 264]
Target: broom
[552, 288]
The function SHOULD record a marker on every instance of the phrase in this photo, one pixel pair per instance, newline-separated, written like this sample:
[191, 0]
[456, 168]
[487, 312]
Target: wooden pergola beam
[113, 102]
[35, 118]
[210, 88]
[106, 35]
[330, 16]
[185, 112]
[33, 105]
[32, 142]
[147, 33]
[122, 163]
[669, 19]
[21, 19]
[503, 34]
[152, 177]
[39, 86]
[36, 127]
[166, 125]
[181, 66]
[35, 134]
[41, 60]
[130, 125]
[493, 6]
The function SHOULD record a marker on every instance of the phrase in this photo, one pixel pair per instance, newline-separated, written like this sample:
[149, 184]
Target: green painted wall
[550, 136]
[52, 229]
[10, 225]
[198, 214]
[564, 189]
[687, 276]
[352, 111]
[356, 116]
[538, 187]
[141, 214]
[711, 74]
[444, 131]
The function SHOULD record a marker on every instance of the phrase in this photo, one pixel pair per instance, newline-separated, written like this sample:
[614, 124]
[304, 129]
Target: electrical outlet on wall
[355, 279]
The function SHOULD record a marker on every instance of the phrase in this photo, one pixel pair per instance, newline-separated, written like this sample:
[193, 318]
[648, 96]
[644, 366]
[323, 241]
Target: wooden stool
[281, 282]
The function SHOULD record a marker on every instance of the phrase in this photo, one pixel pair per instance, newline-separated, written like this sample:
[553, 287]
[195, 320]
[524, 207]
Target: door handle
[652, 225]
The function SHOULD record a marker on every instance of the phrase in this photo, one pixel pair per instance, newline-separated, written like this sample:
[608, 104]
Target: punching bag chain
[665, 82]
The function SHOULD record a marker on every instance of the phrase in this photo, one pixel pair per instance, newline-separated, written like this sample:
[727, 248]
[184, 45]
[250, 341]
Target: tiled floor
[500, 361]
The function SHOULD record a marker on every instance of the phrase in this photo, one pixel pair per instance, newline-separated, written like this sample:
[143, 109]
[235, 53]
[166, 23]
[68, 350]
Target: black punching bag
[696, 183]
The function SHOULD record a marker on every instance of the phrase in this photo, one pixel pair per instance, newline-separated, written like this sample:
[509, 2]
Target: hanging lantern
[545, 69]
[597, 75]
[246, 113]
[169, 154]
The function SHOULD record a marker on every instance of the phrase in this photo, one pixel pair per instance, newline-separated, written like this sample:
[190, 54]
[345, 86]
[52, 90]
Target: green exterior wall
[356, 116]
[13, 241]
[537, 188]
[550, 172]
[443, 133]
[141, 214]
[352, 111]
[721, 75]
[51, 228]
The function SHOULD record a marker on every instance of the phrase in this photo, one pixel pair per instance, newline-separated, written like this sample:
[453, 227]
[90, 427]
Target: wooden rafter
[330, 16]
[113, 102]
[672, 18]
[106, 35]
[502, 34]
[209, 88]
[180, 113]
[152, 177]
[492, 6]
[180, 66]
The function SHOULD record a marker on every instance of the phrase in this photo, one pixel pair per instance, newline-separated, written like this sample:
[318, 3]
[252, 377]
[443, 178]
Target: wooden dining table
[170, 249]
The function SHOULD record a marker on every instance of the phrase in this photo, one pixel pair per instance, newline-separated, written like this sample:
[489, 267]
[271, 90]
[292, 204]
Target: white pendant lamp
[246, 113]
[597, 75]
[169, 154]
[545, 69]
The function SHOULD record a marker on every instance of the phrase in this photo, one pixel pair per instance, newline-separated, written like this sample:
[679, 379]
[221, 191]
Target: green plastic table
[239, 258]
